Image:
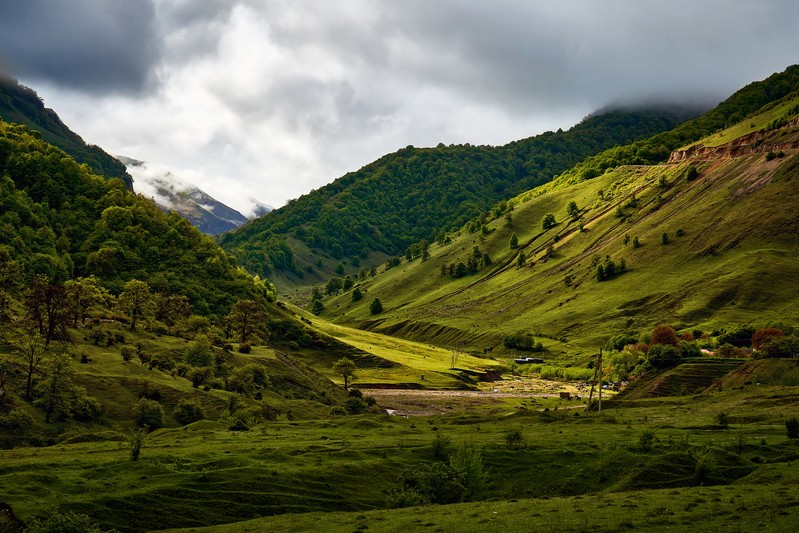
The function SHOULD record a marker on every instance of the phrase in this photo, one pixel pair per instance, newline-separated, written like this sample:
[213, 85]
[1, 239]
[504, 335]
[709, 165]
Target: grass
[732, 263]
[336, 471]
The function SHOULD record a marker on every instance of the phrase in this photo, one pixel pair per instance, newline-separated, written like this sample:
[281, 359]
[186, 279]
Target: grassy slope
[734, 264]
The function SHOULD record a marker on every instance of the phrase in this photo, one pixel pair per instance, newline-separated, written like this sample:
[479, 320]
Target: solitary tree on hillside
[376, 306]
[136, 301]
[572, 210]
[31, 350]
[548, 221]
[514, 241]
[346, 368]
[57, 391]
[245, 319]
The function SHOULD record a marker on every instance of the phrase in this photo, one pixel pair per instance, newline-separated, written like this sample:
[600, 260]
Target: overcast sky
[268, 99]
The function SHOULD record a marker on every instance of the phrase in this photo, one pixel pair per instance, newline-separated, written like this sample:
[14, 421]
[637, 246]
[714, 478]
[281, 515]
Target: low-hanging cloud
[271, 98]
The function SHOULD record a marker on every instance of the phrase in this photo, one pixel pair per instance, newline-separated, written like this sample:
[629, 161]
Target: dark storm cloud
[95, 46]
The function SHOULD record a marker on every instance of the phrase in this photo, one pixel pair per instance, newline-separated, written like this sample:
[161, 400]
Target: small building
[528, 360]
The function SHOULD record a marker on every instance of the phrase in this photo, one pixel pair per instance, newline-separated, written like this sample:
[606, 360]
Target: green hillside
[729, 255]
[21, 105]
[416, 193]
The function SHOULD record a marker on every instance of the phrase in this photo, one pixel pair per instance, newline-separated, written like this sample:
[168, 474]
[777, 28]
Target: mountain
[172, 193]
[22, 105]
[705, 241]
[418, 193]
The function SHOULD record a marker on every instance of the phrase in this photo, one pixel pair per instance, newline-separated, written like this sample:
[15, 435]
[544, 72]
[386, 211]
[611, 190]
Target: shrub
[135, 442]
[86, 408]
[548, 221]
[467, 460]
[127, 353]
[441, 446]
[245, 348]
[16, 421]
[780, 347]
[199, 376]
[67, 522]
[792, 428]
[663, 355]
[161, 362]
[376, 307]
[188, 411]
[664, 238]
[728, 350]
[148, 413]
[692, 173]
[433, 482]
[764, 335]
[741, 336]
[355, 406]
[515, 439]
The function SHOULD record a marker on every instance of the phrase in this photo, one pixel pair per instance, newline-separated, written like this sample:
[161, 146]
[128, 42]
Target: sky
[268, 99]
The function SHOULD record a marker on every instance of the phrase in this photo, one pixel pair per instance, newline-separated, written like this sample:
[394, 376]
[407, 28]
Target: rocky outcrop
[763, 141]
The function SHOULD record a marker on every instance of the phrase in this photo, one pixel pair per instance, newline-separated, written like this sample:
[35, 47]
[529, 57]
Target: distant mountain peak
[173, 193]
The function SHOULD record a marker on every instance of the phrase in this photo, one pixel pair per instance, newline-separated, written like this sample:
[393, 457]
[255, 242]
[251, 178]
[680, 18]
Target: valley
[153, 378]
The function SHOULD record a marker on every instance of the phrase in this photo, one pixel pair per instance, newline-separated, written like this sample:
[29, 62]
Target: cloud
[95, 46]
[272, 98]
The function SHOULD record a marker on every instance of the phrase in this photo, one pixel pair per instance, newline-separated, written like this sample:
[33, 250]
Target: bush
[515, 439]
[376, 307]
[740, 337]
[764, 335]
[548, 221]
[161, 362]
[355, 406]
[522, 341]
[127, 353]
[86, 408]
[67, 522]
[792, 428]
[148, 413]
[16, 421]
[188, 411]
[467, 461]
[780, 347]
[199, 376]
[663, 355]
[728, 350]
[441, 446]
[664, 334]
[245, 348]
[433, 483]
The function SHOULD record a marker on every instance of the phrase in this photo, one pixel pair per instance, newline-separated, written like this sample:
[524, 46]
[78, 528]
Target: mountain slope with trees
[416, 193]
[705, 242]
[21, 105]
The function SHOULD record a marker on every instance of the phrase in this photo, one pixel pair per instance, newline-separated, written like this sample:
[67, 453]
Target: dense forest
[21, 105]
[414, 193]
[60, 221]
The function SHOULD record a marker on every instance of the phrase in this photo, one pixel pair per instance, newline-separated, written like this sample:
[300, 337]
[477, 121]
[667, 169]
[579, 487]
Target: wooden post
[599, 367]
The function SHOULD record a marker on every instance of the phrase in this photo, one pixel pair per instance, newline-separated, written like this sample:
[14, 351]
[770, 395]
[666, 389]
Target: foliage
[522, 341]
[346, 368]
[67, 522]
[513, 243]
[740, 336]
[467, 460]
[188, 411]
[428, 483]
[664, 334]
[136, 441]
[136, 301]
[57, 392]
[548, 221]
[199, 352]
[376, 307]
[246, 320]
[148, 413]
[413, 194]
[663, 355]
[792, 428]
[765, 335]
[248, 380]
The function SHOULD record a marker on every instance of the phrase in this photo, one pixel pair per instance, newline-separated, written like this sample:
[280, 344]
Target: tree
[31, 349]
[317, 307]
[664, 238]
[572, 210]
[246, 319]
[58, 392]
[520, 260]
[199, 353]
[171, 308]
[764, 335]
[376, 307]
[188, 411]
[514, 241]
[548, 221]
[83, 294]
[346, 368]
[333, 286]
[148, 413]
[636, 242]
[356, 294]
[46, 307]
[136, 301]
[665, 335]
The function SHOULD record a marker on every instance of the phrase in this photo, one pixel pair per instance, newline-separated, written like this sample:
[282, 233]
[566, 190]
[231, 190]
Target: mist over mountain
[173, 193]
